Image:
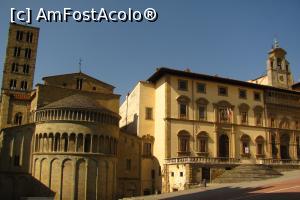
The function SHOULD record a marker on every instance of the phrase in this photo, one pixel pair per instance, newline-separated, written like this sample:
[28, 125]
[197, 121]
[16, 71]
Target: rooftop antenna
[80, 62]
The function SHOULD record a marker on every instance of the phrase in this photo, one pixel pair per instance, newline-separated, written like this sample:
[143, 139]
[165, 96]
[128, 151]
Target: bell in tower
[278, 68]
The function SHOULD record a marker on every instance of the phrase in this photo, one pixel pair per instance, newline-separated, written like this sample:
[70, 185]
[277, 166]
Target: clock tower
[278, 68]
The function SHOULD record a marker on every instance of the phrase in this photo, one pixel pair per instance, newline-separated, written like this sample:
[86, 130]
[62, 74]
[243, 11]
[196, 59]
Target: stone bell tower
[18, 74]
[278, 68]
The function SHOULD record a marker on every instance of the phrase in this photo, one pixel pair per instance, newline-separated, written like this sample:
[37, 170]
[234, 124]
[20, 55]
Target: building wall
[129, 177]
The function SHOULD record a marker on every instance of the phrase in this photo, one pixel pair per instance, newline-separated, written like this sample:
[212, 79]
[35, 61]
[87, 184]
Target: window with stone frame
[183, 143]
[244, 108]
[149, 113]
[182, 85]
[201, 88]
[223, 91]
[257, 96]
[18, 118]
[259, 146]
[183, 102]
[147, 149]
[202, 109]
[245, 144]
[202, 144]
[258, 115]
[242, 94]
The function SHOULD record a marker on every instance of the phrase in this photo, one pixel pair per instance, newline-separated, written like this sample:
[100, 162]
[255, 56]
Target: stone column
[278, 144]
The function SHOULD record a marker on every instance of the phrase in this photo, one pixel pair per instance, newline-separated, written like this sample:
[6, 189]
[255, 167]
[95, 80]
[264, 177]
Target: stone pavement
[284, 187]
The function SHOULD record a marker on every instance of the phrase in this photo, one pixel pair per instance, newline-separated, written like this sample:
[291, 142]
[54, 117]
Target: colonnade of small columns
[81, 143]
[76, 115]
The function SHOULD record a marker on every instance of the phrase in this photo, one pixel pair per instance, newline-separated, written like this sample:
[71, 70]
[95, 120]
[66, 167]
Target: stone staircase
[243, 173]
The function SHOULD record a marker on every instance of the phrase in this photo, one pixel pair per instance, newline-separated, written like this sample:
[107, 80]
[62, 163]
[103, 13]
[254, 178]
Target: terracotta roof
[78, 101]
[22, 96]
[160, 72]
[79, 74]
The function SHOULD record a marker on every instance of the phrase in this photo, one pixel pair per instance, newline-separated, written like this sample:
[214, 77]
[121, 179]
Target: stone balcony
[203, 160]
[272, 161]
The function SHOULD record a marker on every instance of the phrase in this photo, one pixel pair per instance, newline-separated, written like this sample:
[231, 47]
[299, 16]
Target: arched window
[65, 142]
[183, 143]
[57, 142]
[244, 108]
[259, 146]
[202, 143]
[87, 143]
[225, 111]
[245, 140]
[258, 114]
[18, 119]
[202, 109]
[183, 102]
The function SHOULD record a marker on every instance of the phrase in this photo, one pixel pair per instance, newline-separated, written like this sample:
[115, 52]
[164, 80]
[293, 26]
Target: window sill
[202, 154]
[246, 155]
[183, 153]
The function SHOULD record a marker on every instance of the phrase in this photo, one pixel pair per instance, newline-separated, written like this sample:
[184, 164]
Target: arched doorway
[284, 146]
[223, 146]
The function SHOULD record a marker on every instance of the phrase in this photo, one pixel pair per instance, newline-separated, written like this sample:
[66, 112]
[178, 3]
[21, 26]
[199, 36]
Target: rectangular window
[182, 85]
[14, 67]
[256, 96]
[17, 51]
[128, 164]
[202, 145]
[23, 85]
[181, 174]
[26, 69]
[13, 84]
[149, 113]
[19, 36]
[29, 37]
[223, 91]
[242, 94]
[182, 110]
[147, 149]
[172, 174]
[27, 53]
[79, 84]
[202, 112]
[201, 87]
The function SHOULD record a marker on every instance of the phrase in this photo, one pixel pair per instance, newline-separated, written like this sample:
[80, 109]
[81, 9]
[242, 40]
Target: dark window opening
[183, 85]
[13, 84]
[149, 113]
[223, 91]
[25, 68]
[19, 36]
[256, 96]
[153, 174]
[201, 88]
[23, 85]
[79, 84]
[18, 119]
[183, 110]
[29, 37]
[16, 160]
[14, 67]
[27, 53]
[181, 174]
[243, 94]
[17, 51]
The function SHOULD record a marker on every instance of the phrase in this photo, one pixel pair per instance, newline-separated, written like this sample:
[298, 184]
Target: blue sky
[230, 38]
